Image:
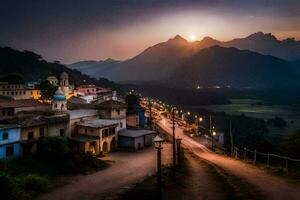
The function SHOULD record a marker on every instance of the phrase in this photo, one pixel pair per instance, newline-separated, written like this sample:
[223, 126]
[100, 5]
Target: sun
[192, 38]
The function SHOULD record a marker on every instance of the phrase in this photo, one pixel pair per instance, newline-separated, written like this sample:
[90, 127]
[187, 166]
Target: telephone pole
[174, 142]
[150, 113]
[231, 138]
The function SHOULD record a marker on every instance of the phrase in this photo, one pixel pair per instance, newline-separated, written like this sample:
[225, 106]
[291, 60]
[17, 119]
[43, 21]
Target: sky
[74, 30]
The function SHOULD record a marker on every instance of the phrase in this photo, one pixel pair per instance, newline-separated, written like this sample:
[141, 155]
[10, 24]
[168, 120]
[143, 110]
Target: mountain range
[266, 58]
[33, 67]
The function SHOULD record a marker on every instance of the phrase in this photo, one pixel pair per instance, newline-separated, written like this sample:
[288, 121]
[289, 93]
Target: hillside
[233, 67]
[157, 62]
[32, 67]
[93, 68]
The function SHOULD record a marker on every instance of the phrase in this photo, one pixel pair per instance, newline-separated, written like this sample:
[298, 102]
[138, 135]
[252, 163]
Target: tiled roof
[112, 104]
[98, 123]
[79, 113]
[19, 103]
[135, 133]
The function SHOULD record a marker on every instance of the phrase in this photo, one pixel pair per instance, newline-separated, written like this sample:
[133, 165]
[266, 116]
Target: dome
[59, 95]
[64, 75]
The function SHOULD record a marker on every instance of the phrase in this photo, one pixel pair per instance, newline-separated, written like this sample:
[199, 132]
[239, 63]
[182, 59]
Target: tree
[132, 101]
[12, 78]
[47, 89]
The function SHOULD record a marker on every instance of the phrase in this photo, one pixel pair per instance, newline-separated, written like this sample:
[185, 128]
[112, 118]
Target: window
[9, 151]
[24, 92]
[62, 132]
[85, 131]
[42, 132]
[121, 125]
[118, 111]
[30, 135]
[5, 136]
[55, 105]
[3, 113]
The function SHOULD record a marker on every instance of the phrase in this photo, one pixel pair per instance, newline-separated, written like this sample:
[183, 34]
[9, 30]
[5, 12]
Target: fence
[268, 159]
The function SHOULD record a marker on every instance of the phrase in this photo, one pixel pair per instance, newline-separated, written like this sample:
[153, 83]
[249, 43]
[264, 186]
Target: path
[127, 169]
[236, 172]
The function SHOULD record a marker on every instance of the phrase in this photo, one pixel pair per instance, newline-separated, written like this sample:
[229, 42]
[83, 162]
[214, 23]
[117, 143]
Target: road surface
[248, 181]
[127, 169]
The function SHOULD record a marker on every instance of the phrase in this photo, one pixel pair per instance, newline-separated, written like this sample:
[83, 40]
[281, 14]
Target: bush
[9, 188]
[53, 148]
[35, 183]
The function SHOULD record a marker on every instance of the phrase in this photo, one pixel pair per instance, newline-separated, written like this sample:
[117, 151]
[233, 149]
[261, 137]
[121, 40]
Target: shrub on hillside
[35, 183]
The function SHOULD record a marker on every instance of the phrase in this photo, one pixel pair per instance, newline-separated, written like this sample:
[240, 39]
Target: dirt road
[126, 169]
[247, 181]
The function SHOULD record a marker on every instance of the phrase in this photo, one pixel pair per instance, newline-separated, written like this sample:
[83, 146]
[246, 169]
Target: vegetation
[47, 89]
[291, 146]
[132, 101]
[277, 122]
[12, 79]
[24, 177]
[33, 67]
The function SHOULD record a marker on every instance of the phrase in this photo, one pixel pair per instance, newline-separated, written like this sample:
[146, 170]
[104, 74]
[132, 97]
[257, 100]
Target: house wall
[73, 123]
[54, 129]
[6, 113]
[132, 120]
[139, 142]
[35, 130]
[16, 147]
[13, 139]
[14, 135]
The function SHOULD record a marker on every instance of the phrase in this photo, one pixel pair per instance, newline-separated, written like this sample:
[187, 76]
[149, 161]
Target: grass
[26, 177]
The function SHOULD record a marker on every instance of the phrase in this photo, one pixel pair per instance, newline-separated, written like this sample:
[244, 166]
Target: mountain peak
[177, 38]
[261, 35]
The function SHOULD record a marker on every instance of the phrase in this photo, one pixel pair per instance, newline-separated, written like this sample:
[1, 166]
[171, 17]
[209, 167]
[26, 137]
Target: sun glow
[192, 38]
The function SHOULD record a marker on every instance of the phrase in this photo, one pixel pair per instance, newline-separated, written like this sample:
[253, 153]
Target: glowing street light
[158, 145]
[200, 119]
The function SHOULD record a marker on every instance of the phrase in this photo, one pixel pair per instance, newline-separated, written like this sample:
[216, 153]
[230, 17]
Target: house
[96, 136]
[132, 120]
[78, 115]
[9, 141]
[134, 140]
[86, 90]
[15, 91]
[33, 127]
[53, 80]
[113, 109]
[9, 108]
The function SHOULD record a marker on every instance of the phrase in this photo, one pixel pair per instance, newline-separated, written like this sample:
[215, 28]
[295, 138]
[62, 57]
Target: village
[94, 119]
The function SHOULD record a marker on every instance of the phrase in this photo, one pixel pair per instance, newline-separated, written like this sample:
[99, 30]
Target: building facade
[96, 136]
[10, 135]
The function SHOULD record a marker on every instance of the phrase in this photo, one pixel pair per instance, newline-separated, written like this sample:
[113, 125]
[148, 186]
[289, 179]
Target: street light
[178, 142]
[158, 145]
[212, 140]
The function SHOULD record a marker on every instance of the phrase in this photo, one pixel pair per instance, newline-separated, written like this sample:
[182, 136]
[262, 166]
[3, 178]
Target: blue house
[142, 118]
[10, 136]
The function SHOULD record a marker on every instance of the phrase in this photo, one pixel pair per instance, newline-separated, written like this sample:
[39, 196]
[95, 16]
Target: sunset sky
[73, 30]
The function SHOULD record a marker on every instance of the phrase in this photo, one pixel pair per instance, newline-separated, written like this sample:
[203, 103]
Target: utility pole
[174, 142]
[150, 113]
[211, 133]
[231, 138]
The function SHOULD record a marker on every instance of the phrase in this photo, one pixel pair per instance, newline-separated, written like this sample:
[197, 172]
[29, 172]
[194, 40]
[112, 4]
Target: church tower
[59, 102]
[64, 83]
